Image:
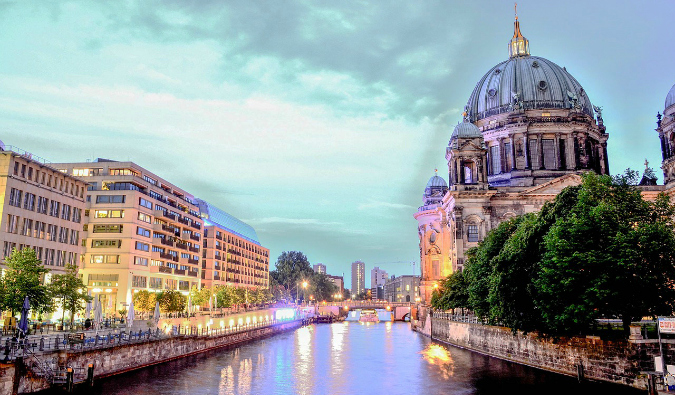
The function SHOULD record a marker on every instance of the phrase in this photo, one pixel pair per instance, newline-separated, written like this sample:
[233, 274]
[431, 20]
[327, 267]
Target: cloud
[374, 204]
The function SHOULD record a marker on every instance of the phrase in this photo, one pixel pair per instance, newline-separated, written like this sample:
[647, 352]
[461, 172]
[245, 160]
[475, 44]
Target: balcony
[164, 269]
[166, 242]
[184, 221]
[203, 265]
[193, 261]
[196, 225]
[182, 246]
[193, 249]
[179, 272]
[194, 237]
[192, 274]
[219, 237]
[164, 255]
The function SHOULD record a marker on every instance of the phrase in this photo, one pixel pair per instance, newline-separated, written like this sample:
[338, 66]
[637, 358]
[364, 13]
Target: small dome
[670, 99]
[466, 130]
[436, 181]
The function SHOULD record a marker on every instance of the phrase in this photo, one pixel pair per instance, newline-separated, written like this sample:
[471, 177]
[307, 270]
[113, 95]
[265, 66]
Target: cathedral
[529, 130]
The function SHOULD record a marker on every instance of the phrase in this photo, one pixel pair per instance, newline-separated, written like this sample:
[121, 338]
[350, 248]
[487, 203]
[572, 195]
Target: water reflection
[341, 359]
[440, 357]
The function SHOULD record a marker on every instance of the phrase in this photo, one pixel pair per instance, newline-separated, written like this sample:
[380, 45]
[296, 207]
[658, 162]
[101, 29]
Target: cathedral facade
[529, 130]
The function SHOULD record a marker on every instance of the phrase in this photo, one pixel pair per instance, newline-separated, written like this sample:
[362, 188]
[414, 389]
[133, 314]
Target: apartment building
[40, 208]
[319, 268]
[358, 278]
[232, 254]
[143, 233]
[402, 289]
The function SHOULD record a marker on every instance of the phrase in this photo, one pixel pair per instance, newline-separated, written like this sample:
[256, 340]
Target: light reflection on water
[343, 358]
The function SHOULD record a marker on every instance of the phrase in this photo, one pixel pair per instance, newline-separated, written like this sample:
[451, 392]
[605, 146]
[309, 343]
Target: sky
[319, 123]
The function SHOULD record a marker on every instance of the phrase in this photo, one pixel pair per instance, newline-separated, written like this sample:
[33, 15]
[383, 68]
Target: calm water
[345, 358]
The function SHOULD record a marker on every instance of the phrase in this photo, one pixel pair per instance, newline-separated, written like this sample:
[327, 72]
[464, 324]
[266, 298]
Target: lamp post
[304, 290]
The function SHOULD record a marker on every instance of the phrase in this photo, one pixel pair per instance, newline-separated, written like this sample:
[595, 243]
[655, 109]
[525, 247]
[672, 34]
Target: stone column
[526, 143]
[556, 150]
[513, 153]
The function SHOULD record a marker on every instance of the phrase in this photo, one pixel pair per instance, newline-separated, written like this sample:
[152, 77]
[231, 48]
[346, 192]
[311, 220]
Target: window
[63, 235]
[106, 243]
[150, 180]
[105, 259]
[155, 283]
[534, 154]
[170, 284]
[548, 146]
[145, 217]
[15, 197]
[107, 228]
[49, 259]
[184, 285]
[123, 172]
[495, 160]
[30, 173]
[74, 237]
[143, 247]
[54, 208]
[29, 202]
[77, 215]
[42, 203]
[145, 203]
[27, 227]
[109, 213]
[507, 156]
[12, 223]
[472, 233]
[51, 232]
[140, 261]
[139, 281]
[142, 232]
[65, 212]
[110, 199]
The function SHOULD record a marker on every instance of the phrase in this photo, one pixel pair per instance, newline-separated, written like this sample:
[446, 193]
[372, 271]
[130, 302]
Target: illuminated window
[109, 213]
[144, 217]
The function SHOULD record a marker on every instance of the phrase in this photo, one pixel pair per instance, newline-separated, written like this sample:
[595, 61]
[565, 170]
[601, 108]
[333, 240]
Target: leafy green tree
[144, 301]
[200, 297]
[24, 277]
[322, 287]
[612, 256]
[452, 293]
[292, 267]
[71, 292]
[171, 301]
[480, 266]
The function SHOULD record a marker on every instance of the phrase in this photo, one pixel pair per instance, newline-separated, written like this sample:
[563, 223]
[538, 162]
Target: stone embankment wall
[127, 357]
[618, 362]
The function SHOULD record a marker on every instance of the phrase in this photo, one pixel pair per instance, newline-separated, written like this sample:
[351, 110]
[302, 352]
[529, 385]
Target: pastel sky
[317, 122]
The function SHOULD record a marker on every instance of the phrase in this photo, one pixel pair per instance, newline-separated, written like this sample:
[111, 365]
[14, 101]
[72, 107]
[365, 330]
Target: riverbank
[33, 373]
[620, 362]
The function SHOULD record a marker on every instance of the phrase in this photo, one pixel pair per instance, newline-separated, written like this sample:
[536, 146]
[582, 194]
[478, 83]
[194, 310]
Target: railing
[196, 225]
[193, 249]
[192, 273]
[165, 269]
[182, 246]
[193, 261]
[166, 242]
[179, 272]
[194, 237]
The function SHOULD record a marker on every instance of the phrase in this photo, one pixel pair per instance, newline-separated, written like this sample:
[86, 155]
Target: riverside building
[402, 289]
[232, 254]
[358, 278]
[143, 233]
[41, 208]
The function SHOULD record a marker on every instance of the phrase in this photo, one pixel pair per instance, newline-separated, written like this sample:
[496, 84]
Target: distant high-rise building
[378, 277]
[319, 268]
[339, 282]
[358, 277]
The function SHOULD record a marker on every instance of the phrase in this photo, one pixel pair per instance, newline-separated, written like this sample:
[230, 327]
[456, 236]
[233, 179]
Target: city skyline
[319, 128]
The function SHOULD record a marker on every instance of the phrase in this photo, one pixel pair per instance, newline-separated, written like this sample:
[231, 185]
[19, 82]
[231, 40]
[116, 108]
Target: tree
[322, 287]
[613, 256]
[144, 301]
[291, 268]
[479, 266]
[24, 277]
[70, 290]
[171, 301]
[452, 293]
[200, 297]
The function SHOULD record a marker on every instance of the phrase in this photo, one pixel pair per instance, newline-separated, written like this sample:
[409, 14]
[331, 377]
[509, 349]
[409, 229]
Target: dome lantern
[519, 45]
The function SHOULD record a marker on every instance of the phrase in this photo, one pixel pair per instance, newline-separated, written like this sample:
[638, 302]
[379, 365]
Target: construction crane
[413, 263]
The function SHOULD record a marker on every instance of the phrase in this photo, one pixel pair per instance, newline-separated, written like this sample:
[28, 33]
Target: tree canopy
[597, 250]
[23, 277]
[291, 269]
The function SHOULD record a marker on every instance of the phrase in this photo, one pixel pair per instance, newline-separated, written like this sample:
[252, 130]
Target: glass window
[142, 247]
[110, 199]
[109, 214]
[145, 217]
[142, 232]
[549, 153]
[140, 261]
[472, 233]
[139, 281]
[495, 160]
[145, 203]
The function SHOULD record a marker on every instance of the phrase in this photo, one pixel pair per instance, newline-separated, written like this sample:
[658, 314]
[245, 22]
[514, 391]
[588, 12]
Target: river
[345, 358]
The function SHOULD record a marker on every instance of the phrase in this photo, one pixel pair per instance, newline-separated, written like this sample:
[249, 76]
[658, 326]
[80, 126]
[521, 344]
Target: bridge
[400, 309]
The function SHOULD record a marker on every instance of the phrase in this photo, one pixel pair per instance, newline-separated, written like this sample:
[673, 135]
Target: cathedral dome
[527, 82]
[670, 99]
[466, 130]
[436, 181]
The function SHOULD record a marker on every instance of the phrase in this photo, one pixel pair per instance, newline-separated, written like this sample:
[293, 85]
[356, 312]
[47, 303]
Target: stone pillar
[513, 153]
[540, 148]
[556, 150]
[528, 160]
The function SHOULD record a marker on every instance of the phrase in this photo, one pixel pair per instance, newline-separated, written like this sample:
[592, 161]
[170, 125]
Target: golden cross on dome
[646, 164]
[515, 10]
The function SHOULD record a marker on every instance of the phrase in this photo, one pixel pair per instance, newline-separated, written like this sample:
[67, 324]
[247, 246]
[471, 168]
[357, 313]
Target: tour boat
[369, 315]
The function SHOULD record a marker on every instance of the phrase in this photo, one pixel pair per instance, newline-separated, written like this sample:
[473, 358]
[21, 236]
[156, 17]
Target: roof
[670, 98]
[526, 82]
[466, 130]
[436, 181]
[212, 215]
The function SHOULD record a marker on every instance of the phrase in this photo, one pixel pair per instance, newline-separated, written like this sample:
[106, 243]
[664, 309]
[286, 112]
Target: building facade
[231, 253]
[339, 281]
[404, 288]
[528, 131]
[319, 268]
[40, 208]
[358, 278]
[143, 233]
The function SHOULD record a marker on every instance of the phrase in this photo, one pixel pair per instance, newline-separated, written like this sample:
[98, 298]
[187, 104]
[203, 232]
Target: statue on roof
[648, 177]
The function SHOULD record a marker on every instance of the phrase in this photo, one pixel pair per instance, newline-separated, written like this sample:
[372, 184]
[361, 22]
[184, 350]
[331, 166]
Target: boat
[369, 315]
